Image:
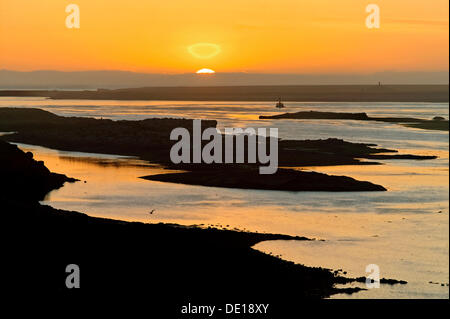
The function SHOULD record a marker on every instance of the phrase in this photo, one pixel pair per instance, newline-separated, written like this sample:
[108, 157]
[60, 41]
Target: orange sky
[280, 36]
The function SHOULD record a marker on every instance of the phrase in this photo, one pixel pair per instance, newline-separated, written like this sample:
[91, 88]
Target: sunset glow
[284, 36]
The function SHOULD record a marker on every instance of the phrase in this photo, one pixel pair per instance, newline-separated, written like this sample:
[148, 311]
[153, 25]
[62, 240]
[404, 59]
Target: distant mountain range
[124, 79]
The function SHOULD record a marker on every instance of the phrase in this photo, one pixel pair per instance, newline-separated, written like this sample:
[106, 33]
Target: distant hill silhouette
[124, 79]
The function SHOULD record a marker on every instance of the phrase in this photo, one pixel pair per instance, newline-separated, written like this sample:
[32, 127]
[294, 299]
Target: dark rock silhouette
[314, 115]
[23, 177]
[283, 179]
[165, 263]
[124, 257]
[438, 123]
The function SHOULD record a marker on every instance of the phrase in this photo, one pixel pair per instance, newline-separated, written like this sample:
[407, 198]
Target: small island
[437, 123]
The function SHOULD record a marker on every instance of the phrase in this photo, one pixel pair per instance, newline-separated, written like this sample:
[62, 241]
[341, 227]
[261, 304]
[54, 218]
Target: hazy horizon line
[230, 72]
[111, 79]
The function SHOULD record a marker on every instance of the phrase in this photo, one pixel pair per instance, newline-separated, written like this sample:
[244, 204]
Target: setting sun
[205, 71]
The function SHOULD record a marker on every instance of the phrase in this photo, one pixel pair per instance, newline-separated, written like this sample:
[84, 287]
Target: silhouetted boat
[279, 105]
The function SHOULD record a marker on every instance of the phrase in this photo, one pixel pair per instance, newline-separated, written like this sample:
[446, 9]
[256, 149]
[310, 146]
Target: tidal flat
[402, 229]
[150, 140]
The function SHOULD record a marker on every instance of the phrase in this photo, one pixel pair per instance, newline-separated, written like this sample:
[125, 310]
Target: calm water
[404, 230]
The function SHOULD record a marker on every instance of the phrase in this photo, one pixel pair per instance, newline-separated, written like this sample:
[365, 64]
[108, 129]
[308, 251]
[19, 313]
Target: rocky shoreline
[125, 256]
